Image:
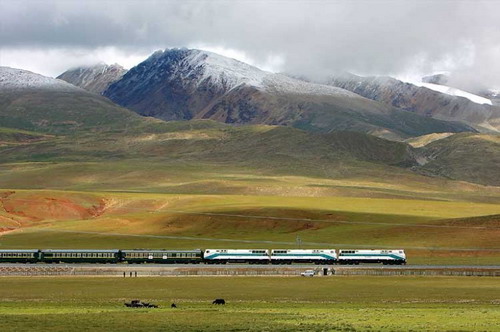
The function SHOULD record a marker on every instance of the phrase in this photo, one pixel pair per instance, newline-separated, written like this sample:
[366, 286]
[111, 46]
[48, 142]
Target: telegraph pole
[298, 241]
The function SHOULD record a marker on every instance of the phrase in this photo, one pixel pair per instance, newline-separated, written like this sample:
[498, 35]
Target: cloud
[304, 37]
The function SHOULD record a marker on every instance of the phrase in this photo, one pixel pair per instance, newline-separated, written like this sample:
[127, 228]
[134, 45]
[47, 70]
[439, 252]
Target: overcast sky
[313, 38]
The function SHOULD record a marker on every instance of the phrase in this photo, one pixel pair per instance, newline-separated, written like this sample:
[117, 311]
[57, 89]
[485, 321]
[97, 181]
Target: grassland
[204, 184]
[254, 304]
[432, 231]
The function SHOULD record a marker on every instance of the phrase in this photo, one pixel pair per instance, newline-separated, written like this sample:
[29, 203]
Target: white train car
[384, 256]
[222, 256]
[318, 256]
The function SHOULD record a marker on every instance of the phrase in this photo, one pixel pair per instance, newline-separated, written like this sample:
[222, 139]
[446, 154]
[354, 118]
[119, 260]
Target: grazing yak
[173, 305]
[219, 301]
[139, 304]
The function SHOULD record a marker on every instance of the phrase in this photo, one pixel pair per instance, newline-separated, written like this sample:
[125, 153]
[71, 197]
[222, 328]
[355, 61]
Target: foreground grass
[255, 304]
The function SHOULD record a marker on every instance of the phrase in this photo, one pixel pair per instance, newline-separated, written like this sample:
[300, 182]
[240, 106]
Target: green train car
[79, 256]
[162, 256]
[19, 256]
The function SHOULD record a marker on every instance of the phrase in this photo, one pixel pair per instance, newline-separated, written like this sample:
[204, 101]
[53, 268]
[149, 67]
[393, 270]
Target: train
[207, 256]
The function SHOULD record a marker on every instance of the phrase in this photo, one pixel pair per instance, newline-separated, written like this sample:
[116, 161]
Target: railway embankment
[127, 271]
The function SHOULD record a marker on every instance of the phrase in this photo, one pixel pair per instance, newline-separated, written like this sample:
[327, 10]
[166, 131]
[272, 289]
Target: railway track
[141, 270]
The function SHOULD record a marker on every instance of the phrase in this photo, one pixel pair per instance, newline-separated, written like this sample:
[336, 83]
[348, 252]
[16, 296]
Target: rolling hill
[465, 156]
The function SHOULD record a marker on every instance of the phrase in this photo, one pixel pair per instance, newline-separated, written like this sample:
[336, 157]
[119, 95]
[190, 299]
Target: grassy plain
[253, 304]
[432, 231]
[203, 184]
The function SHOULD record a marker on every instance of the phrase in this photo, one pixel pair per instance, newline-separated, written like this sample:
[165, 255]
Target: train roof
[236, 249]
[82, 250]
[18, 250]
[160, 250]
[302, 249]
[372, 249]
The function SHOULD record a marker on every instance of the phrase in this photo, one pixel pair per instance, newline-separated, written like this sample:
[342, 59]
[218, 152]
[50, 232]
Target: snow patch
[456, 92]
[17, 79]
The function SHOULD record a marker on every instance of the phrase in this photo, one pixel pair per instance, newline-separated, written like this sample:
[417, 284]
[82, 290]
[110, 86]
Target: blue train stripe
[308, 255]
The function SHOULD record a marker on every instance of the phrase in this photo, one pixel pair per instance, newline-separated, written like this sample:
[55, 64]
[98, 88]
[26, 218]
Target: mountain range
[183, 84]
[423, 100]
[45, 119]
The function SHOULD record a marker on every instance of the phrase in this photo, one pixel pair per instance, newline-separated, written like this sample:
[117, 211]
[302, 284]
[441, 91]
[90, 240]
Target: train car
[19, 255]
[223, 256]
[162, 256]
[317, 256]
[384, 256]
[79, 256]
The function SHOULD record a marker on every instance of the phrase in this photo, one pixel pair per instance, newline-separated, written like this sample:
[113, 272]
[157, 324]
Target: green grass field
[201, 184]
[61, 219]
[253, 304]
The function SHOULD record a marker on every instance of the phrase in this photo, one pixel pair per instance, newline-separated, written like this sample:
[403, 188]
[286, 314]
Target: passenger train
[207, 256]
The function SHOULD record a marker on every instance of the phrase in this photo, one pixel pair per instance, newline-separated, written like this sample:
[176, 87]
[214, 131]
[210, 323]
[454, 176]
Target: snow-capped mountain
[227, 74]
[428, 99]
[34, 102]
[95, 78]
[180, 84]
[19, 79]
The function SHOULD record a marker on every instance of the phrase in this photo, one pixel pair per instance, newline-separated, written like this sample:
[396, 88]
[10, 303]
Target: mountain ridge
[96, 78]
[421, 100]
[183, 84]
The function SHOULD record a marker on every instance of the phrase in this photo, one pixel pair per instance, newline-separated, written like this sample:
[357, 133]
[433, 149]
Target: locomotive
[207, 256]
